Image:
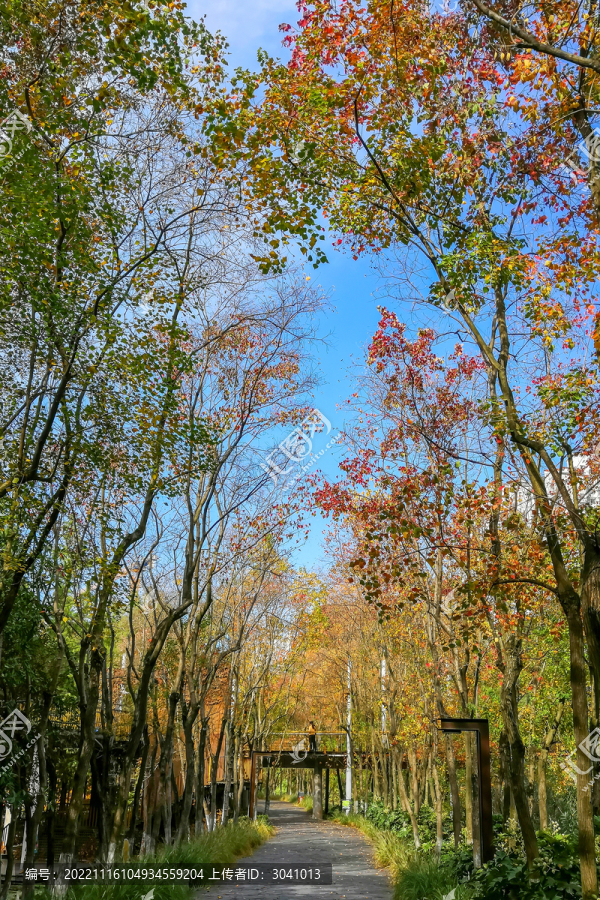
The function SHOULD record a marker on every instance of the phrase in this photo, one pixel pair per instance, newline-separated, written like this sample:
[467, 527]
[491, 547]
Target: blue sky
[350, 285]
[246, 25]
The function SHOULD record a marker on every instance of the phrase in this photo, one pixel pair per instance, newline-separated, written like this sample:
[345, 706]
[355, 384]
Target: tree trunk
[102, 794]
[229, 758]
[113, 824]
[376, 791]
[84, 758]
[542, 792]
[384, 778]
[183, 831]
[585, 821]
[169, 801]
[542, 763]
[590, 608]
[414, 780]
[240, 778]
[198, 827]
[51, 814]
[361, 789]
[504, 754]
[436, 793]
[268, 791]
[35, 817]
[214, 766]
[531, 782]
[162, 808]
[394, 780]
[137, 794]
[149, 803]
[408, 808]
[10, 844]
[508, 704]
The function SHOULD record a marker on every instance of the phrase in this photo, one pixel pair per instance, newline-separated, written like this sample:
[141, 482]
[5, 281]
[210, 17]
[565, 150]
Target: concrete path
[299, 839]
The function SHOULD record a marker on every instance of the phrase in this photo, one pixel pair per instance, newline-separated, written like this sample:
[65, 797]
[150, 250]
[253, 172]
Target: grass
[306, 803]
[219, 849]
[424, 878]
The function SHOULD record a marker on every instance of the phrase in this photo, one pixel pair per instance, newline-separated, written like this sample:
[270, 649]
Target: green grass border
[218, 849]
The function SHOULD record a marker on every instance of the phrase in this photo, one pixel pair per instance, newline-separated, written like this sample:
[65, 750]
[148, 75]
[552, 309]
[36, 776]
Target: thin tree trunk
[149, 802]
[241, 779]
[414, 780]
[169, 801]
[408, 808]
[542, 792]
[376, 791]
[437, 794]
[183, 832]
[35, 817]
[229, 762]
[587, 852]
[137, 794]
[504, 754]
[10, 845]
[201, 755]
[214, 765]
[542, 764]
[531, 782]
[101, 794]
[268, 791]
[508, 703]
[162, 808]
[361, 787]
[51, 814]
[84, 758]
[394, 778]
[384, 779]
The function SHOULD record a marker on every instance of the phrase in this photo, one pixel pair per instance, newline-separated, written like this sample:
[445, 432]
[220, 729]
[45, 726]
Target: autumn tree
[424, 158]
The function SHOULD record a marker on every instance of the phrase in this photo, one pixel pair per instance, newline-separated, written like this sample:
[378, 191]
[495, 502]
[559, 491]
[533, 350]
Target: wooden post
[481, 728]
[318, 793]
[327, 790]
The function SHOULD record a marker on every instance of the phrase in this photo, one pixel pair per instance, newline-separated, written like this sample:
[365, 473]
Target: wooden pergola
[287, 759]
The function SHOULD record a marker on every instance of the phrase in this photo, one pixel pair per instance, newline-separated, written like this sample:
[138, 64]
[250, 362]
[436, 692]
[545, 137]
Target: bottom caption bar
[266, 873]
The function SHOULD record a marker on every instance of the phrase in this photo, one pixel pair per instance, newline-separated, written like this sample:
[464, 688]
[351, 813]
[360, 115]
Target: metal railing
[331, 741]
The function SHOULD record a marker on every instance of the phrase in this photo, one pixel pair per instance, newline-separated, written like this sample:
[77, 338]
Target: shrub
[387, 819]
[423, 879]
[397, 820]
[418, 876]
[556, 873]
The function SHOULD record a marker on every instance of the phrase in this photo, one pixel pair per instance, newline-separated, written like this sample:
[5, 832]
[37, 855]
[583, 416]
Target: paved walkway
[299, 839]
